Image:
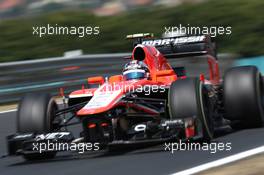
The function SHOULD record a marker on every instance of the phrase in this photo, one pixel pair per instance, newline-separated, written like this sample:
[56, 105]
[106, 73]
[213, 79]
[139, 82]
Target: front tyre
[36, 113]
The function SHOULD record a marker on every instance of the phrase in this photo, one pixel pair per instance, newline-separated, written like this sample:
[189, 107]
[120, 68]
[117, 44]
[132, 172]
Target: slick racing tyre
[243, 97]
[36, 113]
[189, 98]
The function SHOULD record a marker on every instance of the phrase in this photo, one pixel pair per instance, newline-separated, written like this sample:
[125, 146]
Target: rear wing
[181, 46]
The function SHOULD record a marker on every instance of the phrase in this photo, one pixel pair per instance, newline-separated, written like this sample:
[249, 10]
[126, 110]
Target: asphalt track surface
[146, 161]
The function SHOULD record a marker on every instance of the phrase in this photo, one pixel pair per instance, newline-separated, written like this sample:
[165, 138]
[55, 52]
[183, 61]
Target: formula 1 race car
[149, 103]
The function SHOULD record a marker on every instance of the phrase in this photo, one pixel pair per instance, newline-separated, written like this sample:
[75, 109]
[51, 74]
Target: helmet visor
[134, 74]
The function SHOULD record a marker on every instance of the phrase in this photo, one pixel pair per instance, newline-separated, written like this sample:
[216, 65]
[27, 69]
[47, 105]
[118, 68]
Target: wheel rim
[51, 115]
[206, 113]
[262, 91]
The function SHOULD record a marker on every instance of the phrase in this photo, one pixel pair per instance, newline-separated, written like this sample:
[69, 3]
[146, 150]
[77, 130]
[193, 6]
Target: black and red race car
[149, 103]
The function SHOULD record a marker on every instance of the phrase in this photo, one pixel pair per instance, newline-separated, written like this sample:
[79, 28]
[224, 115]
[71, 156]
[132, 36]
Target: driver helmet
[135, 70]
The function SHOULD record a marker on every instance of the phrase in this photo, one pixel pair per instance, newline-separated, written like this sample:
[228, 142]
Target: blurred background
[116, 19]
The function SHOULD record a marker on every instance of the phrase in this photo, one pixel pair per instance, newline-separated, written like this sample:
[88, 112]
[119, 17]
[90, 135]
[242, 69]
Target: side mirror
[96, 80]
[164, 73]
[115, 78]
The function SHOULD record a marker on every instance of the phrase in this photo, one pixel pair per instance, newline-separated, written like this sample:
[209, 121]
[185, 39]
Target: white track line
[222, 161]
[12, 110]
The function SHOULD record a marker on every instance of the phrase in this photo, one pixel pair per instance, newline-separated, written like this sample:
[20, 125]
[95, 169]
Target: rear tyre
[243, 97]
[189, 98]
[36, 113]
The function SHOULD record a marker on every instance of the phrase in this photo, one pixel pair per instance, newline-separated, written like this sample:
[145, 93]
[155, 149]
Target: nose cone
[107, 96]
[104, 99]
